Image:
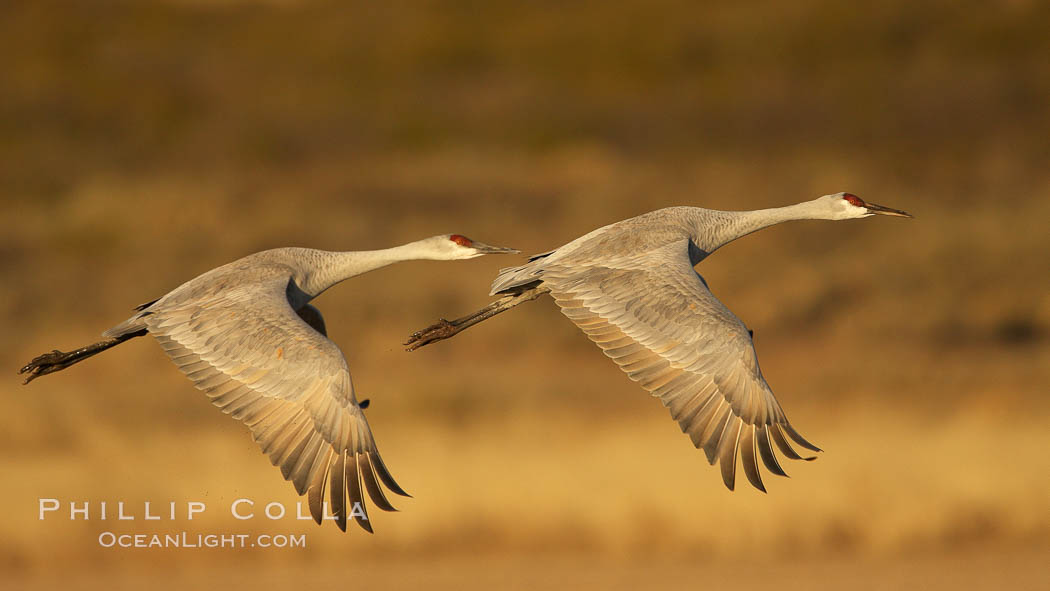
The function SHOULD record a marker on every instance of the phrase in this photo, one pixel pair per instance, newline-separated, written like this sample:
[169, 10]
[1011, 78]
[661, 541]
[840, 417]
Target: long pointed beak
[483, 248]
[883, 210]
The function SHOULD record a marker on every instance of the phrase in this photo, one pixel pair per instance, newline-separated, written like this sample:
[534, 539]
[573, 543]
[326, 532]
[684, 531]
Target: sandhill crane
[631, 287]
[247, 336]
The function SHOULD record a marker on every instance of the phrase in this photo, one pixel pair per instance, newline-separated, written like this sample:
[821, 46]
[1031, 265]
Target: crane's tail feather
[520, 278]
[56, 360]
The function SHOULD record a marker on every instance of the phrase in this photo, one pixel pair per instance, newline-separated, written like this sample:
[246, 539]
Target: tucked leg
[444, 329]
[58, 360]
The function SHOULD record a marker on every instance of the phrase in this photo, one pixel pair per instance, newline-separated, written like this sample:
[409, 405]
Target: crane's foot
[48, 363]
[439, 331]
[56, 360]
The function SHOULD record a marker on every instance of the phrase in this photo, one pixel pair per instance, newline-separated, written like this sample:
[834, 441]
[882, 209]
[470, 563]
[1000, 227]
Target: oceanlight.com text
[188, 540]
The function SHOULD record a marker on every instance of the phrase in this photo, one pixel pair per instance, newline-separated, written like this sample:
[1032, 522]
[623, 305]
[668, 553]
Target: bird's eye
[854, 200]
[461, 240]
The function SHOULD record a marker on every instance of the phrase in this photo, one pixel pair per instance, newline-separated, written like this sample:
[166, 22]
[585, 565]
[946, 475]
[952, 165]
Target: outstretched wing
[258, 361]
[654, 316]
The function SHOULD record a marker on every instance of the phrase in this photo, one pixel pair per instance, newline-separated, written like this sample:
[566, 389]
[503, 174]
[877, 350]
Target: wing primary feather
[336, 484]
[714, 434]
[727, 447]
[357, 504]
[315, 492]
[384, 475]
[793, 434]
[698, 426]
[782, 443]
[766, 451]
[368, 475]
[747, 457]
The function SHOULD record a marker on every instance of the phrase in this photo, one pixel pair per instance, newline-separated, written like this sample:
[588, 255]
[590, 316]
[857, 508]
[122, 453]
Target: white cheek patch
[852, 211]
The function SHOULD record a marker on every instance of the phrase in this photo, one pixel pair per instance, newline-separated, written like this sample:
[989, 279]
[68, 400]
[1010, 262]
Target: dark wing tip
[315, 503]
[766, 451]
[384, 475]
[717, 428]
[368, 475]
[727, 452]
[365, 524]
[794, 435]
[337, 482]
[358, 507]
[748, 459]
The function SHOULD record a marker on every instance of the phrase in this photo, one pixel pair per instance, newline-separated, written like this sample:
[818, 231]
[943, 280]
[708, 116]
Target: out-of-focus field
[142, 143]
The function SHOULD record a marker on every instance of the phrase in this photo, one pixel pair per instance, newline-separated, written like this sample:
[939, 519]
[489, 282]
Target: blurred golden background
[142, 143]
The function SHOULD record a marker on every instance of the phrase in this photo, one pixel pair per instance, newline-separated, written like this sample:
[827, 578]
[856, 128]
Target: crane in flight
[246, 334]
[631, 287]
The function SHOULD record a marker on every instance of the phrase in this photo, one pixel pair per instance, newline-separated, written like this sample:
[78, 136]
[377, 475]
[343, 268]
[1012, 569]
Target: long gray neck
[334, 267]
[715, 229]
